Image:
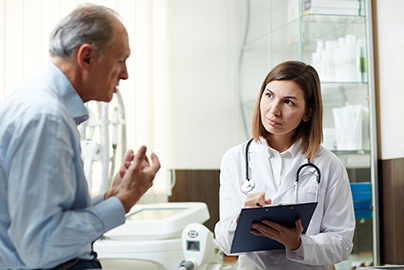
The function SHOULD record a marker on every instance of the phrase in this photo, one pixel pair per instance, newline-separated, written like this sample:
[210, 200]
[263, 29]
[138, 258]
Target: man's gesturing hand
[137, 178]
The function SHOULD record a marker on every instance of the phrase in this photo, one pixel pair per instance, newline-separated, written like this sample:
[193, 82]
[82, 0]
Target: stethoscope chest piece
[247, 186]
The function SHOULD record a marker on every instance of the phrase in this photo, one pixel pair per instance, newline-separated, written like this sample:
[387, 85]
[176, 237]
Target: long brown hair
[311, 132]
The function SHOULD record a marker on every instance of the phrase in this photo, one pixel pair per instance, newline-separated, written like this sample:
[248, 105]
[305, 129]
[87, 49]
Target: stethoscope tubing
[308, 164]
[248, 184]
[246, 159]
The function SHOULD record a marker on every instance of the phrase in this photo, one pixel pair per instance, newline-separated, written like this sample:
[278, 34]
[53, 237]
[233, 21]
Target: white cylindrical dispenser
[316, 58]
[339, 63]
[316, 62]
[328, 61]
[352, 58]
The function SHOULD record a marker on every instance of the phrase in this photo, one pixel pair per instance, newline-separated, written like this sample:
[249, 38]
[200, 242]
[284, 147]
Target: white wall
[390, 57]
[25, 27]
[205, 38]
[23, 46]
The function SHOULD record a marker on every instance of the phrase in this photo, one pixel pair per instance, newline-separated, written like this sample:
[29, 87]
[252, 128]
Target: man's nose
[124, 73]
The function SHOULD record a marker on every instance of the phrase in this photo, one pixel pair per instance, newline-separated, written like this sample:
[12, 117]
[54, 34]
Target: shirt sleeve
[97, 199]
[52, 217]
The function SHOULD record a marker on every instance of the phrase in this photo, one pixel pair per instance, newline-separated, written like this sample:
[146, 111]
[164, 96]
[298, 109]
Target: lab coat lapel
[261, 168]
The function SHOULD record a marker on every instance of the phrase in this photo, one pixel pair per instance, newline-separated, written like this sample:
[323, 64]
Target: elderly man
[47, 219]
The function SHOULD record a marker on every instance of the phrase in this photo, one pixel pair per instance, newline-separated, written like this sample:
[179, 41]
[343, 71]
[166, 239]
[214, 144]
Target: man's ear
[85, 56]
[307, 115]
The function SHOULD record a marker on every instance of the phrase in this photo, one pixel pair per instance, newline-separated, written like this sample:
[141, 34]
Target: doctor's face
[283, 108]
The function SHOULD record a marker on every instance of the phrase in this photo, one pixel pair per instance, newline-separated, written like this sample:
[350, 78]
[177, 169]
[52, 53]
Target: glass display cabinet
[336, 39]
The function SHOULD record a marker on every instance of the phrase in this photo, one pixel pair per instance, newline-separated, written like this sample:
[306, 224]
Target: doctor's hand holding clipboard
[288, 237]
[279, 166]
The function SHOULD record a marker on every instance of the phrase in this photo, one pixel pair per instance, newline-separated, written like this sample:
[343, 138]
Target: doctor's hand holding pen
[134, 177]
[289, 237]
[256, 199]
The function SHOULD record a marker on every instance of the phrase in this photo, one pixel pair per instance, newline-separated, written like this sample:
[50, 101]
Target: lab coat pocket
[307, 196]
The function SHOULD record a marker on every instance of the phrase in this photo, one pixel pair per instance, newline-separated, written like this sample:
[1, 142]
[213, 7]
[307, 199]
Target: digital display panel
[193, 245]
[157, 213]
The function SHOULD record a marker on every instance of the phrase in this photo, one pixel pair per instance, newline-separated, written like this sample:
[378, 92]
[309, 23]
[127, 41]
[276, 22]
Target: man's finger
[140, 156]
[146, 159]
[127, 160]
[128, 157]
[155, 166]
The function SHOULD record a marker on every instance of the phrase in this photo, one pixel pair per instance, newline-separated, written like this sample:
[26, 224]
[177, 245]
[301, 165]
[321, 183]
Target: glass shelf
[327, 27]
[330, 89]
[331, 24]
[351, 152]
[333, 19]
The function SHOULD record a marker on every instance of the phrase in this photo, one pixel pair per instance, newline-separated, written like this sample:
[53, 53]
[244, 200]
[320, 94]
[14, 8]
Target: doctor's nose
[275, 108]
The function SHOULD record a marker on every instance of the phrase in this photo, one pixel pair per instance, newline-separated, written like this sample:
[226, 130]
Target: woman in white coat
[287, 133]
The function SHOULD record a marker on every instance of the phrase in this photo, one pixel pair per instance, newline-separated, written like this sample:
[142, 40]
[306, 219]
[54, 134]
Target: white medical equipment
[150, 237]
[200, 249]
[97, 148]
[248, 184]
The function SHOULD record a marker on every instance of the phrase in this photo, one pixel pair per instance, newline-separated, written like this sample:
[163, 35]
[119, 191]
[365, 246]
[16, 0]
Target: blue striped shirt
[46, 214]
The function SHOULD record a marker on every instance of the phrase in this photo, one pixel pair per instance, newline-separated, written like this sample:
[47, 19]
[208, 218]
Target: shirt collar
[65, 90]
[293, 149]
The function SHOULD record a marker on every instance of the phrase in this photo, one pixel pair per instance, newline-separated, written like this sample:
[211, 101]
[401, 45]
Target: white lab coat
[328, 239]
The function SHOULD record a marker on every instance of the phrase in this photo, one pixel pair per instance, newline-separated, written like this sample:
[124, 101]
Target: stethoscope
[248, 184]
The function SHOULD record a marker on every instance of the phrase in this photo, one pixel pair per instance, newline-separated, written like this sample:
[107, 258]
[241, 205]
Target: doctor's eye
[289, 102]
[268, 94]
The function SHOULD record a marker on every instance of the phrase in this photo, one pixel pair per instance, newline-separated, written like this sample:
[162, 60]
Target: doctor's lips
[272, 122]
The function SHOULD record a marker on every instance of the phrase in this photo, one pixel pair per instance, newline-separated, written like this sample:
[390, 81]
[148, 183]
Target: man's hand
[127, 161]
[134, 178]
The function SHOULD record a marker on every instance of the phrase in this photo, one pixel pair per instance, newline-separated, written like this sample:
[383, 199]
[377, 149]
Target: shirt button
[276, 261]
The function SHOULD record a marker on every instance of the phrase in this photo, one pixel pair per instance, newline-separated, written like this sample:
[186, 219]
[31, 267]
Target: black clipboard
[286, 215]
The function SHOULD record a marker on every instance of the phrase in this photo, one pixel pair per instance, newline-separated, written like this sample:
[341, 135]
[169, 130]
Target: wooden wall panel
[391, 200]
[198, 186]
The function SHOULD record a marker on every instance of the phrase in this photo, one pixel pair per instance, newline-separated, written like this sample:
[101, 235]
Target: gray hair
[88, 23]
